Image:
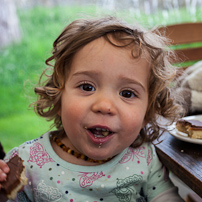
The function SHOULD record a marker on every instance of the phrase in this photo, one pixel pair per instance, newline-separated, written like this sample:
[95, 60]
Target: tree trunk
[9, 24]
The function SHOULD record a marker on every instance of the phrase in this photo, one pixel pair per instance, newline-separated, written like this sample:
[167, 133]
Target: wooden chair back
[186, 38]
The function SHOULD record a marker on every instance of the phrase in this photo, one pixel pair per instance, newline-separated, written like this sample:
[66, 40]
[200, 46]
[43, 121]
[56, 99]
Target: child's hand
[4, 169]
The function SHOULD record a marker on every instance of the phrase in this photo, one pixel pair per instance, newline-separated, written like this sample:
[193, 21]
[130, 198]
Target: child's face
[106, 89]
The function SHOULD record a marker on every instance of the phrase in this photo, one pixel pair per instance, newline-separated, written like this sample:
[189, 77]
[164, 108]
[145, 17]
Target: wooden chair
[186, 40]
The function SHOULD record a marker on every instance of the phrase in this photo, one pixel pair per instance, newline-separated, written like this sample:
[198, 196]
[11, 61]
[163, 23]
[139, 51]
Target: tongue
[105, 133]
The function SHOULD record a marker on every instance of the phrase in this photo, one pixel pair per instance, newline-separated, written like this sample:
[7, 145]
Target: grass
[18, 128]
[22, 63]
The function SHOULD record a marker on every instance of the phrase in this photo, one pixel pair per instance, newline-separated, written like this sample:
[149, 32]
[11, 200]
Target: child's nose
[104, 105]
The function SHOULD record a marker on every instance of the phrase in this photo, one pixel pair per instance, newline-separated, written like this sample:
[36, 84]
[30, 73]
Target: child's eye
[127, 94]
[87, 87]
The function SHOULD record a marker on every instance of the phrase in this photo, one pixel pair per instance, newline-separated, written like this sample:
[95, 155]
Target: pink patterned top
[133, 175]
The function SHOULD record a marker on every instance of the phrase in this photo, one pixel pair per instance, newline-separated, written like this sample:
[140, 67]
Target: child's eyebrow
[87, 73]
[132, 81]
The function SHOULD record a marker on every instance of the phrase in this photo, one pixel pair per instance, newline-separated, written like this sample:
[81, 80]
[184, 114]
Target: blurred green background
[22, 63]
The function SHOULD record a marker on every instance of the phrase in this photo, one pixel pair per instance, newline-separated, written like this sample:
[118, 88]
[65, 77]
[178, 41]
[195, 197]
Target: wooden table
[183, 159]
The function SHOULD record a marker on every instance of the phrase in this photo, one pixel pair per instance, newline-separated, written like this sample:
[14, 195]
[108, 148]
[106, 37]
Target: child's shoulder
[146, 148]
[145, 152]
[28, 147]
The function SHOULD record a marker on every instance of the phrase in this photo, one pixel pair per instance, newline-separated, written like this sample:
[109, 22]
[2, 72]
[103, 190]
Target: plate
[183, 136]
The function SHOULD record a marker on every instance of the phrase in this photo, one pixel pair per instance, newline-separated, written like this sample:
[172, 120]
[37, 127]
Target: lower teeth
[98, 135]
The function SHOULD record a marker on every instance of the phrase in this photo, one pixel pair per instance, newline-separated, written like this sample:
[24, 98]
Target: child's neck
[68, 157]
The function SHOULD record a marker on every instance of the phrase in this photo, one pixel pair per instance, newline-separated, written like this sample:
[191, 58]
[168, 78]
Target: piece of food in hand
[191, 127]
[16, 179]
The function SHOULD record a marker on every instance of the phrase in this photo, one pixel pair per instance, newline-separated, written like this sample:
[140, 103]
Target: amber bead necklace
[76, 154]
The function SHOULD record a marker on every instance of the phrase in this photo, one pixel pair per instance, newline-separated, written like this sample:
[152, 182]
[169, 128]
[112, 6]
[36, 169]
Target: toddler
[109, 83]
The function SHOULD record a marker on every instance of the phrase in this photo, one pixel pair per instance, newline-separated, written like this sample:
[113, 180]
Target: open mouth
[100, 132]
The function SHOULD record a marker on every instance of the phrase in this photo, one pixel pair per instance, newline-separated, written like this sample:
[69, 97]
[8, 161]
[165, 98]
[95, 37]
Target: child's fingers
[2, 176]
[4, 169]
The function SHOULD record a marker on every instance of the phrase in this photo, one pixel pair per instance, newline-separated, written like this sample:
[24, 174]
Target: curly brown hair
[81, 32]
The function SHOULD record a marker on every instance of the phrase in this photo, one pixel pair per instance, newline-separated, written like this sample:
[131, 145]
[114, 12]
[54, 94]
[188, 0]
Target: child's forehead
[97, 45]
[103, 54]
